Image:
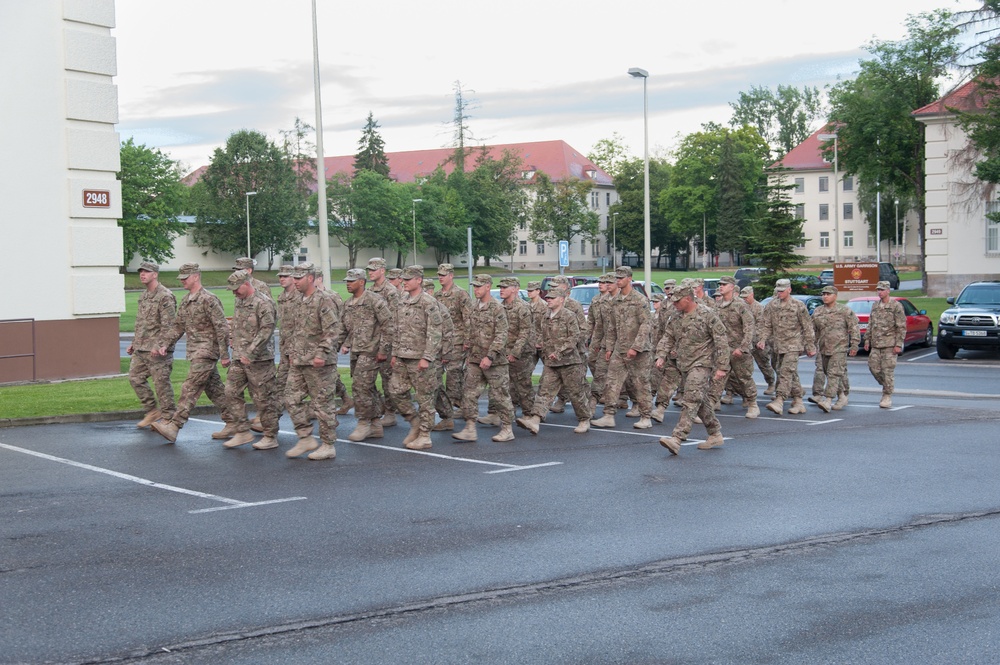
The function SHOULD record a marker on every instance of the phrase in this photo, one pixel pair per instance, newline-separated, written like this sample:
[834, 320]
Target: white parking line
[689, 442]
[231, 503]
[926, 355]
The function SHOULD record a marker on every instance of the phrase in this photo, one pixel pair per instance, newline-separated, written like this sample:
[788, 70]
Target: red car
[919, 329]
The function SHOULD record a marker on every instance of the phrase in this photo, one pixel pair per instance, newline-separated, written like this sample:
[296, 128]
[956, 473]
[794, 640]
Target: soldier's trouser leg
[599, 370]
[145, 365]
[788, 377]
[763, 359]
[715, 388]
[620, 368]
[740, 380]
[280, 380]
[202, 377]
[655, 379]
[696, 401]
[521, 393]
[835, 370]
[555, 379]
[364, 370]
[475, 383]
[317, 385]
[882, 365]
[259, 377]
[386, 404]
[574, 377]
[407, 374]
[441, 401]
[845, 381]
[670, 381]
[455, 379]
[236, 383]
[819, 375]
[498, 377]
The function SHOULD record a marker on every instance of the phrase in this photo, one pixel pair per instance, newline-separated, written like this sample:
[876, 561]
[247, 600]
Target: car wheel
[928, 337]
[945, 351]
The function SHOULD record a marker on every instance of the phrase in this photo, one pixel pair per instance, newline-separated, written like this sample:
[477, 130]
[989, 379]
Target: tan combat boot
[149, 419]
[345, 407]
[753, 410]
[226, 432]
[712, 441]
[776, 406]
[361, 431]
[582, 427]
[267, 443]
[422, 442]
[505, 434]
[377, 431]
[841, 402]
[468, 433]
[325, 451]
[644, 423]
[824, 404]
[558, 406]
[659, 411]
[671, 443]
[256, 425]
[305, 444]
[886, 401]
[389, 419]
[607, 420]
[770, 389]
[414, 432]
[444, 425]
[815, 398]
[239, 439]
[633, 412]
[593, 403]
[491, 419]
[530, 423]
[726, 399]
[167, 429]
[797, 406]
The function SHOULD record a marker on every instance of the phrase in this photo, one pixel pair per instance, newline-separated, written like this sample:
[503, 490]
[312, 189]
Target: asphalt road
[865, 536]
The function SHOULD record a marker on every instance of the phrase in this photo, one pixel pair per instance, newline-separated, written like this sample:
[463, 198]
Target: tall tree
[560, 210]
[152, 198]
[735, 200]
[610, 154]
[251, 162]
[494, 202]
[627, 216]
[785, 117]
[880, 141]
[775, 231]
[341, 221]
[371, 149]
[983, 124]
[441, 217]
[379, 207]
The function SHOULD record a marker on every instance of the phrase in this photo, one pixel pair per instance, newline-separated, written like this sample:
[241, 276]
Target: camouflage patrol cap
[658, 297]
[681, 292]
[782, 285]
[446, 269]
[376, 263]
[558, 280]
[727, 279]
[688, 282]
[395, 273]
[746, 291]
[670, 283]
[187, 270]
[354, 274]
[510, 281]
[698, 281]
[882, 286]
[606, 278]
[829, 289]
[411, 272]
[482, 280]
[238, 279]
[556, 292]
[304, 270]
[286, 270]
[623, 271]
[148, 266]
[244, 263]
[534, 286]
[426, 284]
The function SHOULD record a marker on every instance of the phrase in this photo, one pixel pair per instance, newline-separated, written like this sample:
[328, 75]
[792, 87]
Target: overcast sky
[191, 73]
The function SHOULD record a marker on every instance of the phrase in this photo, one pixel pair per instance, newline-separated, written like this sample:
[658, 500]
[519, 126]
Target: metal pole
[414, 206]
[836, 203]
[468, 241]
[324, 231]
[647, 256]
[248, 195]
[878, 223]
[614, 242]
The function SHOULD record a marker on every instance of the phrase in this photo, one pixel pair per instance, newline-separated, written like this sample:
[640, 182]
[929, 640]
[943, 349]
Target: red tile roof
[806, 156]
[966, 97]
[556, 158]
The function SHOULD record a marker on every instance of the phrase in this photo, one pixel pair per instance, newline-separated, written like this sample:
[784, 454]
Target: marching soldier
[157, 309]
[538, 311]
[248, 264]
[599, 318]
[762, 357]
[739, 323]
[520, 344]
[560, 281]
[837, 336]
[381, 287]
[459, 305]
[884, 340]
[787, 326]
[441, 402]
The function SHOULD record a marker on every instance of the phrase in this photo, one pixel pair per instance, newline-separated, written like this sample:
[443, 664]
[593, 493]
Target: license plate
[974, 333]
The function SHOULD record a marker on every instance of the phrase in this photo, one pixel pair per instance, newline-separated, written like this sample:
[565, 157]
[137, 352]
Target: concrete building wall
[62, 251]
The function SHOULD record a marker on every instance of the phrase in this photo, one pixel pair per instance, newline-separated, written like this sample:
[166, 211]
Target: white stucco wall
[57, 132]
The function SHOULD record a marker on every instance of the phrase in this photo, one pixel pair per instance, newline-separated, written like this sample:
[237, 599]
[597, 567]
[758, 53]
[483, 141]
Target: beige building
[59, 199]
[962, 245]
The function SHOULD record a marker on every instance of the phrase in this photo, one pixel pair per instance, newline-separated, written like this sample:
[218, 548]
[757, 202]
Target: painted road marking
[230, 503]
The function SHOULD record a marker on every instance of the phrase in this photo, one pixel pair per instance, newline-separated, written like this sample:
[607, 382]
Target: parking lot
[860, 536]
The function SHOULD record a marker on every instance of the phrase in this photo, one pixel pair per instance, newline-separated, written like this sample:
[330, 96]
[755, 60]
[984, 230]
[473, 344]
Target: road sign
[564, 253]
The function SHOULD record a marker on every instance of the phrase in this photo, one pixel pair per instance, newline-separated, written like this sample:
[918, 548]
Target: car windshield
[980, 295]
[583, 296]
[861, 306]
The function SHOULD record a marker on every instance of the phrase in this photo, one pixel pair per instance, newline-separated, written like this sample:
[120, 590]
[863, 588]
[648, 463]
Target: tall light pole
[647, 252]
[248, 195]
[414, 205]
[324, 231]
[614, 241]
[836, 202]
[897, 230]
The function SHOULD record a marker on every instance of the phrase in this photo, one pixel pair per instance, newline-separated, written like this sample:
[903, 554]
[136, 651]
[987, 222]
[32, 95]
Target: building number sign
[96, 198]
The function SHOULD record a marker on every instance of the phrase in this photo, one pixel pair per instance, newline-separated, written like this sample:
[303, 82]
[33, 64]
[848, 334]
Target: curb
[103, 417]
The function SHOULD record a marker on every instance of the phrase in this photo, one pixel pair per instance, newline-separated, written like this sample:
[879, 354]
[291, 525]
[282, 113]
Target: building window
[800, 185]
[607, 200]
[540, 248]
[593, 248]
[522, 247]
[608, 244]
[992, 228]
[848, 183]
[595, 200]
[824, 183]
[800, 211]
[522, 225]
[848, 211]
[848, 239]
[824, 239]
[824, 211]
[583, 247]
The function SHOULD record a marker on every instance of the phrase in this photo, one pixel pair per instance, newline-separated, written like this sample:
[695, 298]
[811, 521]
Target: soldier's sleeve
[343, 336]
[266, 317]
[501, 328]
[383, 326]
[596, 316]
[520, 344]
[667, 340]
[899, 319]
[435, 332]
[765, 327]
[720, 339]
[220, 325]
[645, 332]
[167, 311]
[749, 324]
[853, 329]
[808, 332]
[610, 329]
[329, 323]
[172, 333]
[566, 342]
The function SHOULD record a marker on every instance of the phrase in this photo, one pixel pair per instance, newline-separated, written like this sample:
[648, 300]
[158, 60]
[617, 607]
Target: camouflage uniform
[258, 286]
[316, 326]
[253, 338]
[836, 333]
[391, 295]
[365, 328]
[417, 337]
[598, 317]
[487, 338]
[786, 325]
[156, 315]
[458, 302]
[668, 378]
[739, 323]
[567, 371]
[762, 357]
[538, 312]
[698, 342]
[287, 304]
[201, 317]
[520, 345]
[631, 331]
[448, 355]
[886, 330]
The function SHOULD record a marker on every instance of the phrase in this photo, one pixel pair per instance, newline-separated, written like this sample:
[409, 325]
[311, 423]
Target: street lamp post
[248, 195]
[324, 231]
[414, 205]
[614, 241]
[836, 202]
[647, 251]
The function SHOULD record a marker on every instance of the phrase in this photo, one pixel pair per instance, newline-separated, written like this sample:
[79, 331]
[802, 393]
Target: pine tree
[371, 150]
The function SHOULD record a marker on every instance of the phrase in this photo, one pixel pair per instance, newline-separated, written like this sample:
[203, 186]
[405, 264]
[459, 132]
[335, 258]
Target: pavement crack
[674, 566]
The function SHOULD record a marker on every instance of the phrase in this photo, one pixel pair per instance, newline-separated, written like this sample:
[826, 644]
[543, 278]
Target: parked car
[919, 328]
[584, 294]
[972, 321]
[574, 280]
[520, 292]
[807, 282]
[826, 277]
[747, 276]
[811, 302]
[711, 286]
[887, 273]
